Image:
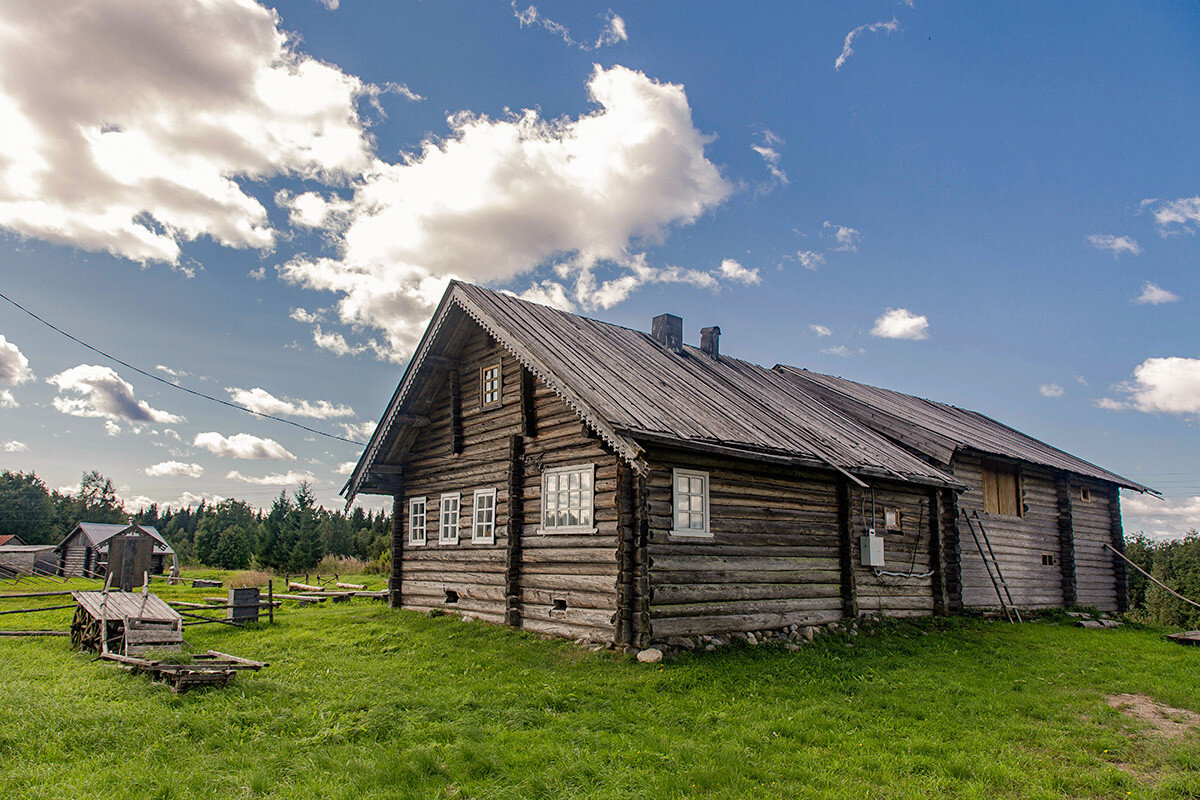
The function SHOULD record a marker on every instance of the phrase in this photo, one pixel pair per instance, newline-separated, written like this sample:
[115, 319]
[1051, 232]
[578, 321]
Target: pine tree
[306, 552]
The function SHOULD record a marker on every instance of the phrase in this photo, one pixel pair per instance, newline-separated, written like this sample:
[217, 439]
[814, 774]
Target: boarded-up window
[1001, 490]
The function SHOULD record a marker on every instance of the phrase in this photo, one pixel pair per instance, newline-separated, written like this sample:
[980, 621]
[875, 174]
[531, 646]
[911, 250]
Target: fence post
[270, 601]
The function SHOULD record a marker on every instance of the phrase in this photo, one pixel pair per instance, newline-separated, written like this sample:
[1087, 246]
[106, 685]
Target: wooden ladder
[992, 565]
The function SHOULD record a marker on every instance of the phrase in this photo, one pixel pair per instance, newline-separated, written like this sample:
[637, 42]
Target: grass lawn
[364, 702]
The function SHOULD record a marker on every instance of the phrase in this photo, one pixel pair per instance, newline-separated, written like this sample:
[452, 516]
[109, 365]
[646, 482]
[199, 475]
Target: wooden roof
[97, 535]
[631, 390]
[938, 430]
[126, 605]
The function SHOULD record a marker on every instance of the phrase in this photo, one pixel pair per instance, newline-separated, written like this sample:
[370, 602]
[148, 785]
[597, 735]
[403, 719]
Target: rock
[854, 632]
[791, 648]
[710, 647]
[1110, 623]
[1090, 623]
[651, 655]
[751, 638]
[596, 648]
[809, 632]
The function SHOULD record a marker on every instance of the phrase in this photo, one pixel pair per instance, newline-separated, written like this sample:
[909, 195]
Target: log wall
[907, 549]
[1095, 576]
[519, 582]
[1018, 542]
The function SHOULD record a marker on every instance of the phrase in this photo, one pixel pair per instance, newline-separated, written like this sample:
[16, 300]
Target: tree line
[295, 534]
[1175, 562]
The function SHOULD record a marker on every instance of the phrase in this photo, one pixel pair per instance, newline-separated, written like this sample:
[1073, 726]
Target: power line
[126, 364]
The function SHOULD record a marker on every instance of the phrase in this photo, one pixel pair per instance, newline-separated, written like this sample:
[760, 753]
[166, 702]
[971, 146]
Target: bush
[252, 577]
[381, 565]
[342, 565]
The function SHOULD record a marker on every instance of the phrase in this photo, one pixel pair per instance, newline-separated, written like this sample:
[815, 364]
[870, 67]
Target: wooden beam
[952, 552]
[415, 420]
[846, 550]
[641, 630]
[456, 424]
[1118, 545]
[1066, 541]
[528, 406]
[438, 361]
[394, 583]
[516, 520]
[937, 552]
[626, 540]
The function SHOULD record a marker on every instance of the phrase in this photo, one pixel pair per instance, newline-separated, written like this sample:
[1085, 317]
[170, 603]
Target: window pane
[574, 480]
[585, 516]
[681, 520]
[585, 481]
[698, 522]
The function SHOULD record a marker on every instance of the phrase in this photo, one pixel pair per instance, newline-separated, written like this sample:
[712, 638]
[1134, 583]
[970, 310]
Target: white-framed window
[568, 499]
[690, 503]
[448, 508]
[417, 522]
[489, 385]
[483, 531]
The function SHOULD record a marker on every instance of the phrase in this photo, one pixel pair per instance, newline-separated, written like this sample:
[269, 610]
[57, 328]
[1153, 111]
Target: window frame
[483, 369]
[996, 469]
[590, 527]
[412, 528]
[1085, 494]
[690, 533]
[899, 514]
[457, 498]
[475, 537]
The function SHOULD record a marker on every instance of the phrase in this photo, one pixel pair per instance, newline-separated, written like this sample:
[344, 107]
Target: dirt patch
[1163, 720]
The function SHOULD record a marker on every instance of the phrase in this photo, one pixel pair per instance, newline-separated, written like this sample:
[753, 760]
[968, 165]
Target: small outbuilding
[27, 559]
[85, 551]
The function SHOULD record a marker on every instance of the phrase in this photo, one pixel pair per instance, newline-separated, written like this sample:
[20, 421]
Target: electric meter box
[871, 547]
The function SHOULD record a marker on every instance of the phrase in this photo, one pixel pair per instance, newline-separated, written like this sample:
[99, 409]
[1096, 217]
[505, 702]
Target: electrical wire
[165, 382]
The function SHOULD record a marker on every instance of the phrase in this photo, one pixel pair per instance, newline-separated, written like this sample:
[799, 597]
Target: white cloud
[1153, 294]
[13, 446]
[312, 210]
[732, 270]
[332, 5]
[105, 395]
[258, 273]
[174, 373]
[847, 238]
[7, 400]
[168, 108]
[14, 366]
[1161, 519]
[346, 467]
[1114, 244]
[360, 431]
[613, 31]
[842, 351]
[498, 198]
[188, 499]
[821, 330]
[136, 503]
[1168, 385]
[242, 445]
[1051, 390]
[771, 156]
[900, 323]
[810, 259]
[264, 402]
[1174, 216]
[291, 478]
[175, 469]
[548, 293]
[848, 50]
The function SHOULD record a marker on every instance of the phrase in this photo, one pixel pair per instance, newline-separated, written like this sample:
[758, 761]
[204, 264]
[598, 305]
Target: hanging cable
[165, 382]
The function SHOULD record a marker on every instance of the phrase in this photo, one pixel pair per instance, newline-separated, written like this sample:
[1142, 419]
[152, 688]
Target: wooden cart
[128, 623]
[208, 669]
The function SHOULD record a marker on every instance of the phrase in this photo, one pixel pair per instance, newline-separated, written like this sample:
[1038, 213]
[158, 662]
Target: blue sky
[991, 205]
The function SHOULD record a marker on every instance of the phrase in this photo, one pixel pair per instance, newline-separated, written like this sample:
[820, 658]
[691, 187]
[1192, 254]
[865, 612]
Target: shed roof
[939, 430]
[631, 390]
[10, 539]
[98, 534]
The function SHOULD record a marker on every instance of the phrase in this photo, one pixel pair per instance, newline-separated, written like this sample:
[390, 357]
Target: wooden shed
[85, 550]
[579, 478]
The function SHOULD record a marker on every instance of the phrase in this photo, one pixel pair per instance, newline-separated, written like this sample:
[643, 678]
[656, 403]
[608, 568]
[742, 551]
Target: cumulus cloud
[613, 31]
[290, 478]
[842, 351]
[1161, 519]
[498, 198]
[847, 48]
[1168, 385]
[100, 392]
[13, 446]
[734, 271]
[1175, 216]
[1114, 244]
[810, 259]
[1154, 295]
[14, 366]
[7, 400]
[360, 431]
[242, 445]
[264, 402]
[847, 238]
[174, 373]
[346, 467]
[900, 323]
[821, 330]
[174, 469]
[169, 107]
[1051, 390]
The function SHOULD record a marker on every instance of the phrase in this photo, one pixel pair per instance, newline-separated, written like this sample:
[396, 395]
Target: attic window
[891, 519]
[1085, 494]
[489, 385]
[1002, 490]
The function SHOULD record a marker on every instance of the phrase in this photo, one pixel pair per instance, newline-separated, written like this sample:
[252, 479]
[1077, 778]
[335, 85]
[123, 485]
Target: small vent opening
[560, 604]
[1048, 560]
[451, 596]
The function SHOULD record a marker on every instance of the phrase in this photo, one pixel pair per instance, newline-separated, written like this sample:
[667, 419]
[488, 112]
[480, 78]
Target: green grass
[364, 702]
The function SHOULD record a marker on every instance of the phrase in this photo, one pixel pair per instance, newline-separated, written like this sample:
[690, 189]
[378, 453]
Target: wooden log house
[578, 478]
[84, 552]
